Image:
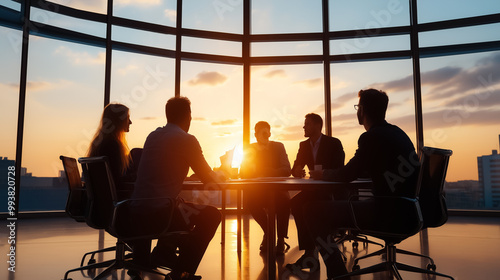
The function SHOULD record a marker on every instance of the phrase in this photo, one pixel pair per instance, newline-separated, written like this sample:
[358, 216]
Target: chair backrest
[77, 195]
[101, 191]
[434, 164]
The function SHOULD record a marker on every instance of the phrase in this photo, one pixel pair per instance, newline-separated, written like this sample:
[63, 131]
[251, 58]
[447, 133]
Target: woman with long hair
[109, 140]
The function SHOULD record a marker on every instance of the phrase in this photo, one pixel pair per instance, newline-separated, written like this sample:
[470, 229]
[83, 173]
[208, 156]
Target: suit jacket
[386, 155]
[268, 161]
[330, 154]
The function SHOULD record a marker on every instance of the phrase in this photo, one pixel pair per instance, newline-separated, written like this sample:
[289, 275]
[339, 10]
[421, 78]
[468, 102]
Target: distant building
[35, 193]
[465, 194]
[489, 179]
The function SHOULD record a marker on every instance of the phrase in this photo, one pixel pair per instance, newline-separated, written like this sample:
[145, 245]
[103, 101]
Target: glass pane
[370, 44]
[430, 11]
[63, 105]
[145, 38]
[368, 14]
[218, 15]
[461, 100]
[144, 84]
[286, 16]
[282, 96]
[206, 46]
[465, 35]
[287, 48]
[348, 78]
[10, 40]
[216, 94]
[11, 4]
[41, 17]
[159, 12]
[97, 6]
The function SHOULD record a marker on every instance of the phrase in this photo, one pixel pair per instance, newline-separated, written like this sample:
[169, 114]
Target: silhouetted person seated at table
[168, 153]
[383, 153]
[267, 159]
[109, 140]
[320, 151]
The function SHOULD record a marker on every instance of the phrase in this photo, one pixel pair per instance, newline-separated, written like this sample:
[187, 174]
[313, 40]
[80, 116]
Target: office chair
[76, 205]
[106, 212]
[427, 209]
[352, 235]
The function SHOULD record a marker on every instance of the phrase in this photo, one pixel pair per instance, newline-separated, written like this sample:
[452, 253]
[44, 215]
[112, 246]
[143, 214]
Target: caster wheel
[431, 266]
[355, 267]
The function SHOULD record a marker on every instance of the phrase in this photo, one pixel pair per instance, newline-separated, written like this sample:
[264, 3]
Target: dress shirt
[330, 154]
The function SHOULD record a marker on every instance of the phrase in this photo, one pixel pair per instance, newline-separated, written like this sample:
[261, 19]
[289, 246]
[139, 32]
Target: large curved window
[242, 61]
[63, 107]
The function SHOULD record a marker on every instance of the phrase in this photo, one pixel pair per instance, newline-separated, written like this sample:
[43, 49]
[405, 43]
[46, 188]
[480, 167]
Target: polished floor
[468, 248]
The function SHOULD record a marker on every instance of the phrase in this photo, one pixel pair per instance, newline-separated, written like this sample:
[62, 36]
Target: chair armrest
[390, 216]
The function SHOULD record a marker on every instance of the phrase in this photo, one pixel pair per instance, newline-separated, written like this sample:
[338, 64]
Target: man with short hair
[324, 152]
[168, 153]
[382, 150]
[267, 159]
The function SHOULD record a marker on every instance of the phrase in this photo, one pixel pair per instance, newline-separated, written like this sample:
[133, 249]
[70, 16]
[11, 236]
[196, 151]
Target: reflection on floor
[466, 248]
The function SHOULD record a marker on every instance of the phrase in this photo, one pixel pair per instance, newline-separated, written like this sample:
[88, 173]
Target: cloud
[171, 15]
[149, 118]
[290, 133]
[479, 100]
[224, 122]
[311, 82]
[81, 58]
[127, 69]
[208, 78]
[275, 73]
[38, 86]
[396, 85]
[199, 119]
[139, 2]
[224, 134]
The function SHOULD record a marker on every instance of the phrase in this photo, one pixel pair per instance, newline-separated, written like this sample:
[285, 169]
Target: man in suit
[267, 159]
[388, 156]
[323, 152]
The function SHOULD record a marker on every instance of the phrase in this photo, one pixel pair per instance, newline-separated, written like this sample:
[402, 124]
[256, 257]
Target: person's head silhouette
[371, 107]
[178, 111]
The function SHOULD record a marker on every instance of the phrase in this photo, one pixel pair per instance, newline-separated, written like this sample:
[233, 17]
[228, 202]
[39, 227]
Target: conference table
[271, 185]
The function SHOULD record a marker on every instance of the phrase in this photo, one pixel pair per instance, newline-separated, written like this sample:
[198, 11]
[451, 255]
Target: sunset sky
[461, 94]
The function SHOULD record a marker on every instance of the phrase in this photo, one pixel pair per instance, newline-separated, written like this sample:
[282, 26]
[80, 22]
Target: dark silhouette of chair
[427, 209]
[76, 205]
[127, 220]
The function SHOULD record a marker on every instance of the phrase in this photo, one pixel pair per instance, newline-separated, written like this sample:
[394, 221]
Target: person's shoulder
[277, 145]
[330, 139]
[385, 128]
[109, 143]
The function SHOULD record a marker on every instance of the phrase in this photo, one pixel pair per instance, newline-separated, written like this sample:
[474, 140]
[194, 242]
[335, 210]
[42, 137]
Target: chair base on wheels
[392, 265]
[121, 261]
[93, 253]
[349, 235]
